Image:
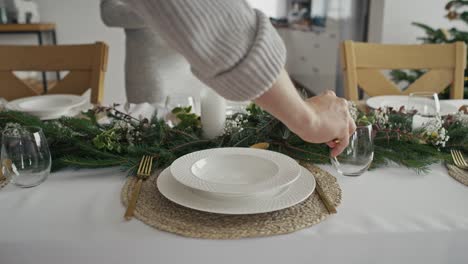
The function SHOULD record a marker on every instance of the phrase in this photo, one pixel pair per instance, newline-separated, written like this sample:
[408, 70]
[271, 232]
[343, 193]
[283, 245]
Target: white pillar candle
[213, 113]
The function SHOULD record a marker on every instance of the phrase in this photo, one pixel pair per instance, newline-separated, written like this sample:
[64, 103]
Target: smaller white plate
[239, 171]
[396, 101]
[285, 197]
[47, 106]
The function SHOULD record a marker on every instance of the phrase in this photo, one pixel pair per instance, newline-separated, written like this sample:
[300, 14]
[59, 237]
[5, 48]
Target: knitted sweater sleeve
[231, 47]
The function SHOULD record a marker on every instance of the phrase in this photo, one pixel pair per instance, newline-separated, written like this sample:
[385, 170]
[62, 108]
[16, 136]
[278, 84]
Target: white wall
[272, 8]
[80, 22]
[399, 14]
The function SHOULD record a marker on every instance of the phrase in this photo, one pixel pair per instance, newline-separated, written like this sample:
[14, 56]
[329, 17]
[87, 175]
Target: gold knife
[7, 164]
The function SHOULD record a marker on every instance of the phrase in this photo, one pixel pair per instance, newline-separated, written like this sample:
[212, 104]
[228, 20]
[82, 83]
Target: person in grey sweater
[235, 50]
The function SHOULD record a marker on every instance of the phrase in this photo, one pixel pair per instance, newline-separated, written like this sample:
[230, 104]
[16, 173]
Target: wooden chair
[362, 64]
[86, 65]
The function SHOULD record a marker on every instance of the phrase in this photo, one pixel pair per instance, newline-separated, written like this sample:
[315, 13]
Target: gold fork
[144, 171]
[459, 160]
[7, 164]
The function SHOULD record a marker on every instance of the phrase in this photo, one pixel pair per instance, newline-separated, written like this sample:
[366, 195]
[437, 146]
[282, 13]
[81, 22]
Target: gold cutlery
[143, 173]
[5, 167]
[458, 159]
[2, 176]
[7, 164]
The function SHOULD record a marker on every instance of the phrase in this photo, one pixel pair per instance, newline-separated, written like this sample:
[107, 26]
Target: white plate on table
[396, 101]
[47, 106]
[286, 197]
[235, 171]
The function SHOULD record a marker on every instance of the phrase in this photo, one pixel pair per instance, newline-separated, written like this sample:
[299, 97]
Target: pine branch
[72, 140]
[189, 144]
[84, 162]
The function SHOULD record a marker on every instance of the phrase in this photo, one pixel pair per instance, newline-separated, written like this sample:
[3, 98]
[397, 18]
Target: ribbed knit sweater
[230, 47]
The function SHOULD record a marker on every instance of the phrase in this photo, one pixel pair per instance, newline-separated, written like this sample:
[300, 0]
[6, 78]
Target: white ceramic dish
[396, 101]
[47, 106]
[235, 171]
[286, 197]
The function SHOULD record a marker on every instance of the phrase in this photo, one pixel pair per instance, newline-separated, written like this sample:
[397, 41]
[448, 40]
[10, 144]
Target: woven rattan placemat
[458, 174]
[155, 210]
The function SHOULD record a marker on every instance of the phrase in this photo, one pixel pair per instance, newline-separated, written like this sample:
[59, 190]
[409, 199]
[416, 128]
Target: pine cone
[464, 109]
[452, 15]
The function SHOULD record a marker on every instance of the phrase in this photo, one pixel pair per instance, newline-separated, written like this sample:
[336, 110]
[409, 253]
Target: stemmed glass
[426, 106]
[173, 101]
[25, 156]
[358, 156]
[425, 103]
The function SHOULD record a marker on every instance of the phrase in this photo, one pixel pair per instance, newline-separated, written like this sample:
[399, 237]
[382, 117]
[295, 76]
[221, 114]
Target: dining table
[387, 215]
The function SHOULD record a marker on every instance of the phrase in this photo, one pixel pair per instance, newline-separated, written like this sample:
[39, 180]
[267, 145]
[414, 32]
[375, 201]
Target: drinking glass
[25, 156]
[425, 104]
[357, 157]
[173, 101]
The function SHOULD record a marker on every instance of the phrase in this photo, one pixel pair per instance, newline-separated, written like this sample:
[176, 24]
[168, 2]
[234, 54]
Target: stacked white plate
[47, 106]
[236, 181]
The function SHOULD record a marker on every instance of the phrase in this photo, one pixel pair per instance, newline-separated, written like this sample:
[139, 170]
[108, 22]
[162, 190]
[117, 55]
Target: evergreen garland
[83, 142]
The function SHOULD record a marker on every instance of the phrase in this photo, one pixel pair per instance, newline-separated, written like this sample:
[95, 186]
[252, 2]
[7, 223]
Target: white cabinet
[312, 57]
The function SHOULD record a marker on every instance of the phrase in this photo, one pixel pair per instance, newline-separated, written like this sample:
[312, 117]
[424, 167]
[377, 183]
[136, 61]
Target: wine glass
[25, 156]
[426, 107]
[173, 101]
[178, 100]
[358, 155]
[425, 104]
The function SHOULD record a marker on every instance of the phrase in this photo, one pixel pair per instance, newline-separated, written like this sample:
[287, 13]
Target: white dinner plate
[236, 171]
[396, 101]
[288, 196]
[47, 106]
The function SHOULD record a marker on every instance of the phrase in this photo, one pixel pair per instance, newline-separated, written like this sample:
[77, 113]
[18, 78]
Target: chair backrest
[86, 65]
[362, 64]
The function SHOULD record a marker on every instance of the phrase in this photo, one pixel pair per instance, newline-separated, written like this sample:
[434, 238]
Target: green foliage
[188, 121]
[406, 153]
[108, 140]
[458, 134]
[83, 142]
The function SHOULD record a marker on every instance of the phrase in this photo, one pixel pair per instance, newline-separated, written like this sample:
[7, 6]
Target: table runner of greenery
[84, 142]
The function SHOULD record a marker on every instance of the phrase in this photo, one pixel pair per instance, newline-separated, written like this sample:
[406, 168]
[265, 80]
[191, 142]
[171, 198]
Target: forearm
[284, 102]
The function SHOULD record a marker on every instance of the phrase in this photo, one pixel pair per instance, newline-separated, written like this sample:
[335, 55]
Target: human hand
[320, 119]
[331, 122]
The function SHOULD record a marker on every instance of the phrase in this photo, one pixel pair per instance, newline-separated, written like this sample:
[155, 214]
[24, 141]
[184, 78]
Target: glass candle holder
[25, 156]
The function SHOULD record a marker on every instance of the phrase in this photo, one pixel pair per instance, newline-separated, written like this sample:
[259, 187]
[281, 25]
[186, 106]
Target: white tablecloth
[389, 215]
